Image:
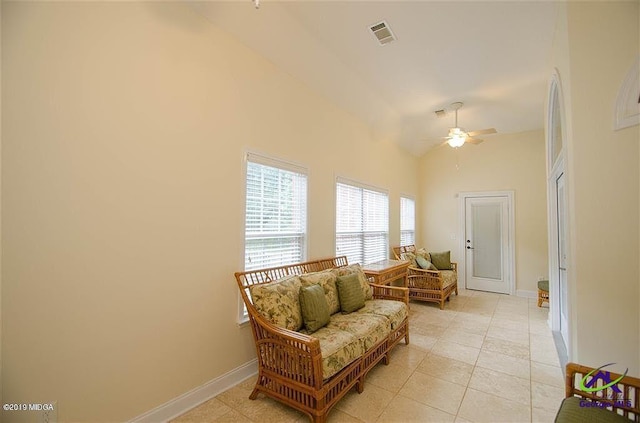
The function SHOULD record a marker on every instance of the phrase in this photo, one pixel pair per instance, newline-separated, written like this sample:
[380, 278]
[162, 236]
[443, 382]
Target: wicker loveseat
[312, 371]
[608, 401]
[433, 285]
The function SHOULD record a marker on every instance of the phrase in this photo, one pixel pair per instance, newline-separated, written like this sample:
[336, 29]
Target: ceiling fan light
[456, 141]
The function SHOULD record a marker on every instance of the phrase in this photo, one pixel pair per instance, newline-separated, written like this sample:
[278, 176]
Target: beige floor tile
[510, 324]
[539, 415]
[501, 384]
[446, 368]
[209, 411]
[506, 347]
[427, 329]
[469, 327]
[540, 327]
[368, 405]
[504, 363]
[520, 336]
[339, 416]
[423, 342]
[456, 351]
[546, 396]
[391, 377]
[404, 409]
[463, 337]
[407, 355]
[480, 407]
[545, 355]
[547, 374]
[434, 392]
[542, 341]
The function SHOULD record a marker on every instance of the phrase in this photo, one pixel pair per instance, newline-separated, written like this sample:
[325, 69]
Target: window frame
[413, 231]
[283, 165]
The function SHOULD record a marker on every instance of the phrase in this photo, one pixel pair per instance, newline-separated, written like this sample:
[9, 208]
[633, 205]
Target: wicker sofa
[312, 371]
[620, 402]
[427, 284]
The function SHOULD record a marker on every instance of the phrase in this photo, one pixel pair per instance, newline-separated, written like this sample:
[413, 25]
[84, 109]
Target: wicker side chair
[427, 285]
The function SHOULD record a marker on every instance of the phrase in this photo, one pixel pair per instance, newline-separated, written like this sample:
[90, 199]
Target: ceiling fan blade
[475, 141]
[482, 132]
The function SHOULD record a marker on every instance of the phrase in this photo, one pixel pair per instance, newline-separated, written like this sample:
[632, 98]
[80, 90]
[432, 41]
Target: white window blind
[276, 213]
[362, 223]
[407, 221]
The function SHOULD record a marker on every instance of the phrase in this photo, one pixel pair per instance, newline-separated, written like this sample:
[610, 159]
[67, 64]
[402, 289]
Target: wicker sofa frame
[290, 363]
[418, 279]
[626, 404]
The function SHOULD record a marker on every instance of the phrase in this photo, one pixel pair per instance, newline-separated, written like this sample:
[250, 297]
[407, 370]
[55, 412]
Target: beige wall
[124, 131]
[595, 47]
[503, 162]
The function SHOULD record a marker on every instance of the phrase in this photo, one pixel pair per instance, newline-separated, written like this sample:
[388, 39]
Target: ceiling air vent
[382, 32]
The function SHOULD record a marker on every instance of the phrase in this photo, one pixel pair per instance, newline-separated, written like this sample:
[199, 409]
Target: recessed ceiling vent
[382, 32]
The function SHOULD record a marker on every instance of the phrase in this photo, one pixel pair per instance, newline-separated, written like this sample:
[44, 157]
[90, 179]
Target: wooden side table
[383, 272]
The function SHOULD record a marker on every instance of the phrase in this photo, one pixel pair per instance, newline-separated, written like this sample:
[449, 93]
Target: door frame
[556, 166]
[511, 263]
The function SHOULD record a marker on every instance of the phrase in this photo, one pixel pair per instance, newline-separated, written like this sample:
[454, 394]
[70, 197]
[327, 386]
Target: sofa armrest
[286, 352]
[389, 292]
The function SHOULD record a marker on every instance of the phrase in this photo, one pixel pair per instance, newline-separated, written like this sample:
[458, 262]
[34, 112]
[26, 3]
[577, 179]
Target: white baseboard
[197, 396]
[526, 294]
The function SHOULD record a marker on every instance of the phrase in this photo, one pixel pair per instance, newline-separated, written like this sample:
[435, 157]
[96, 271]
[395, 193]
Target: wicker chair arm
[420, 271]
[387, 292]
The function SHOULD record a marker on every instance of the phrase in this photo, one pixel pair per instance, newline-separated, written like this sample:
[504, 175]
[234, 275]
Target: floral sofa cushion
[338, 347]
[327, 280]
[279, 302]
[395, 311]
[364, 284]
[368, 328]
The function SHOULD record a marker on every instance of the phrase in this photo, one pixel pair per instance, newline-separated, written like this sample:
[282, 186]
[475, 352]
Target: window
[275, 213]
[362, 223]
[407, 221]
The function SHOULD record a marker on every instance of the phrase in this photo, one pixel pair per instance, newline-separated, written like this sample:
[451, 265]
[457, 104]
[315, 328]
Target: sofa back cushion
[279, 302]
[350, 293]
[362, 279]
[315, 310]
[327, 280]
[441, 260]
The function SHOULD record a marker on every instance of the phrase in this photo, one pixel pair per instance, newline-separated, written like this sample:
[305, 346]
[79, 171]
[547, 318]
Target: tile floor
[484, 358]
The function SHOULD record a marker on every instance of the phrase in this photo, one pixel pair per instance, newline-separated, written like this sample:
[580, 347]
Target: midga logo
[605, 377]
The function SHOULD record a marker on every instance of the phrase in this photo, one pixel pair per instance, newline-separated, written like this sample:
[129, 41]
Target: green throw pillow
[350, 293]
[441, 260]
[315, 309]
[423, 263]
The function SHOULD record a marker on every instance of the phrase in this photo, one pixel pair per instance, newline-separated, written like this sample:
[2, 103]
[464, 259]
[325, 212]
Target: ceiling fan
[457, 136]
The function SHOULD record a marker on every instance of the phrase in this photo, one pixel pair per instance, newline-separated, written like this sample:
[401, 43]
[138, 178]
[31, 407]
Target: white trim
[554, 170]
[526, 294]
[353, 182]
[511, 253]
[627, 107]
[197, 396]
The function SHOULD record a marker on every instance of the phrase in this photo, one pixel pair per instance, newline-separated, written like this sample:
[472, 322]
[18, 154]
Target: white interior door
[562, 257]
[487, 244]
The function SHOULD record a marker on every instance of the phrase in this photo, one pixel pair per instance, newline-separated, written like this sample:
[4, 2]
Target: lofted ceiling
[493, 56]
